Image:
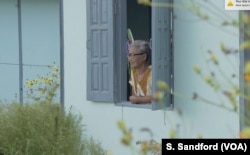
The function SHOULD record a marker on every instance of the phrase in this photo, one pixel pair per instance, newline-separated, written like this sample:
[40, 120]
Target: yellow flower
[236, 91]
[172, 133]
[41, 92]
[214, 59]
[247, 71]
[245, 133]
[55, 67]
[156, 147]
[158, 96]
[108, 153]
[199, 136]
[245, 45]
[247, 67]
[162, 85]
[127, 139]
[35, 81]
[208, 79]
[121, 125]
[247, 77]
[29, 83]
[54, 73]
[145, 147]
[197, 69]
[246, 18]
[47, 80]
[144, 2]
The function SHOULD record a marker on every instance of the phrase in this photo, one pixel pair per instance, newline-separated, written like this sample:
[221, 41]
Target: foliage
[146, 146]
[38, 129]
[43, 89]
[42, 126]
[232, 94]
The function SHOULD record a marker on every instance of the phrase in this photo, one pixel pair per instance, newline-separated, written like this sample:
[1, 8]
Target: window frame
[244, 57]
[119, 89]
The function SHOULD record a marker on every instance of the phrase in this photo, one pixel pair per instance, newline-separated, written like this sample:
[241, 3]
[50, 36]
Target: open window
[107, 24]
[139, 22]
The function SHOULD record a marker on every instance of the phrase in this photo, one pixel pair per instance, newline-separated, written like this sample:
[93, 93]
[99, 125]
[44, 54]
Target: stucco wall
[36, 36]
[192, 40]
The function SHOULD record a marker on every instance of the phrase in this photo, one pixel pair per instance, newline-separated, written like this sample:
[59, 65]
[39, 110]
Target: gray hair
[143, 47]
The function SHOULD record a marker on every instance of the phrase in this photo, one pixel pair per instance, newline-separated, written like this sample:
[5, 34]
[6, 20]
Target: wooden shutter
[100, 50]
[162, 55]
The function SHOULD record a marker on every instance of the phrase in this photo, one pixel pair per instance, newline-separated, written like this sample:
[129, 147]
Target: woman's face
[135, 58]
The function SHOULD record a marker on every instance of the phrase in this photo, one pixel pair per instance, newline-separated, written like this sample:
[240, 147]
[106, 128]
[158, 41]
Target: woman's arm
[140, 99]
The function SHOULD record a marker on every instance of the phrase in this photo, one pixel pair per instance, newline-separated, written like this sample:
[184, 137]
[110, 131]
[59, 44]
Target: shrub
[36, 129]
[41, 126]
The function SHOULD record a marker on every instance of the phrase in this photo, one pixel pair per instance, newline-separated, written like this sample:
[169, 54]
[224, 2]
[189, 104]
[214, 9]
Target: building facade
[36, 34]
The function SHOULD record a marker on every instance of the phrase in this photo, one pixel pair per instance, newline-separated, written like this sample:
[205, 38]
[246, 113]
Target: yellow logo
[230, 3]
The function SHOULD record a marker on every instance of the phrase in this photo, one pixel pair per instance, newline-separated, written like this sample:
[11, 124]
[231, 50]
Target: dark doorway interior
[139, 22]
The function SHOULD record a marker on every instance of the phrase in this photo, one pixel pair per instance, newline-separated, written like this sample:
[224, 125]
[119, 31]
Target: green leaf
[130, 36]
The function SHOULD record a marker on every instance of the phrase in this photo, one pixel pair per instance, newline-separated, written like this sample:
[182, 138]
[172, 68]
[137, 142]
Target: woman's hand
[140, 99]
[133, 99]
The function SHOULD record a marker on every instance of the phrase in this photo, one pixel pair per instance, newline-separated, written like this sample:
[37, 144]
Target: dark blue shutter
[162, 50]
[100, 50]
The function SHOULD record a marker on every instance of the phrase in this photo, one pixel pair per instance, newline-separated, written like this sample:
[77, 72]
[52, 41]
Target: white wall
[192, 39]
[40, 43]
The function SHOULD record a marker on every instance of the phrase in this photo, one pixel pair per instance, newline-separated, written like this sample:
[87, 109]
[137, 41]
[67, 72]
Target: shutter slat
[161, 50]
[100, 50]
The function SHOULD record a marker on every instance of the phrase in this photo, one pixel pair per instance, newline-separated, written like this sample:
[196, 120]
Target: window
[107, 25]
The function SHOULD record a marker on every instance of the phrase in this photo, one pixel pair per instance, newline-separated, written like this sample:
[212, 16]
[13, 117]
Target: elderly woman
[141, 74]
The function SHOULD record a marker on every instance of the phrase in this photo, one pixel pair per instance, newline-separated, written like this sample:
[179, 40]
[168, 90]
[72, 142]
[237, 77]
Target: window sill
[143, 106]
[129, 104]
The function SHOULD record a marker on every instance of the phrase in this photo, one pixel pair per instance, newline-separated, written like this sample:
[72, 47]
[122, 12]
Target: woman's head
[139, 53]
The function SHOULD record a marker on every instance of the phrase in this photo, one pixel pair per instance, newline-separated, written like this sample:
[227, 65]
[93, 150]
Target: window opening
[139, 22]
